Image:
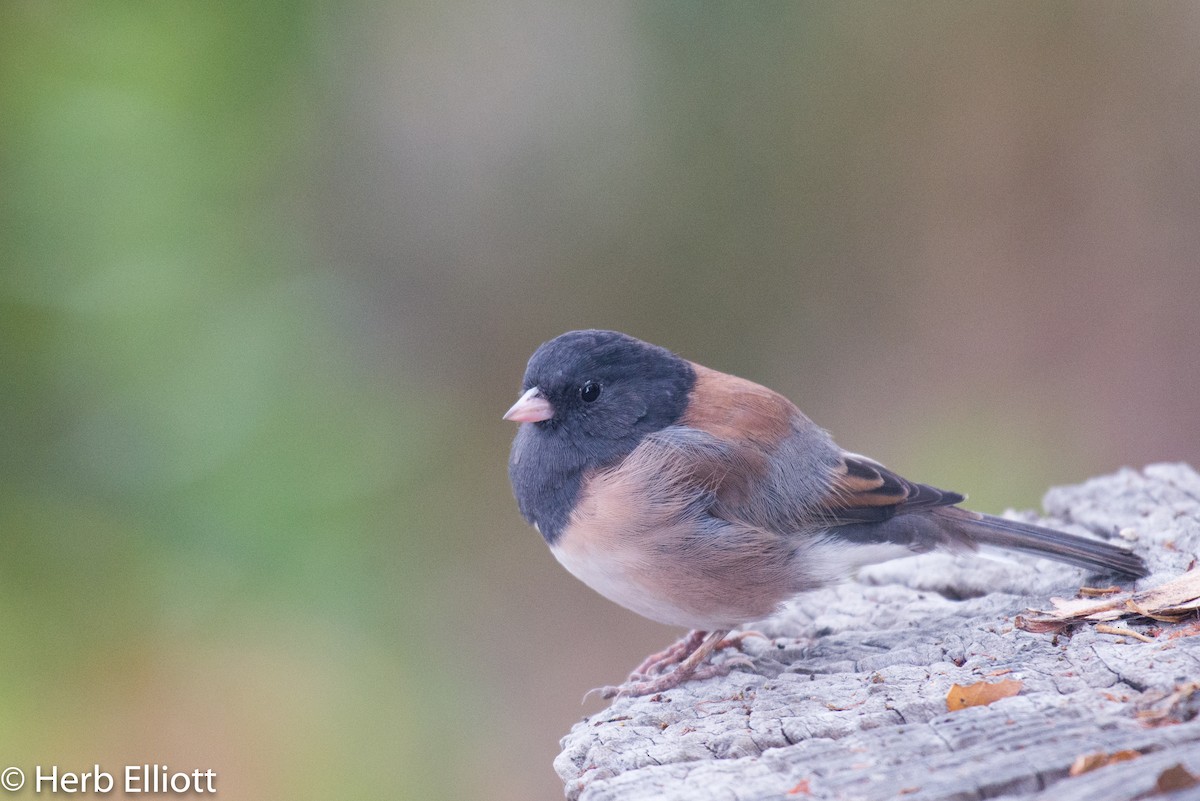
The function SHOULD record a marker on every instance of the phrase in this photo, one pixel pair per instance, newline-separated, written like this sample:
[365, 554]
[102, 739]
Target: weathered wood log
[848, 693]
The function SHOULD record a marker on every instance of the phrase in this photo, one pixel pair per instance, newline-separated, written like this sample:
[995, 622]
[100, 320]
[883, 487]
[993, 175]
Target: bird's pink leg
[735, 640]
[688, 669]
[670, 656]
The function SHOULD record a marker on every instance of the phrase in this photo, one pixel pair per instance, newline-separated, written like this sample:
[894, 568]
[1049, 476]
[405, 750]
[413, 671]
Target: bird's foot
[738, 640]
[679, 651]
[689, 653]
[675, 678]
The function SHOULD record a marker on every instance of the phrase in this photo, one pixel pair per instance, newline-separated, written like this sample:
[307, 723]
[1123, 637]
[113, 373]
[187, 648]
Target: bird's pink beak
[530, 408]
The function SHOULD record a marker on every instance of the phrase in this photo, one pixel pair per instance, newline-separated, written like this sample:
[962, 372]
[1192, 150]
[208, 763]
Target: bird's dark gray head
[588, 398]
[607, 385]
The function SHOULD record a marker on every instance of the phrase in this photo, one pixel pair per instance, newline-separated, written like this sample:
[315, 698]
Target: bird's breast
[642, 537]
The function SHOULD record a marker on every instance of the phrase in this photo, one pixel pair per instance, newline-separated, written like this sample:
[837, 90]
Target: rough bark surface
[847, 699]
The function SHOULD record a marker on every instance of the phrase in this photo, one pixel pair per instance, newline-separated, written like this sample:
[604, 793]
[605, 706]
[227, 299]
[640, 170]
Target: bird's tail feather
[1051, 544]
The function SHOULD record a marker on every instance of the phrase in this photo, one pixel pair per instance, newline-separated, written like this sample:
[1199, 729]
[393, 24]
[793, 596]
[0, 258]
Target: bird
[699, 499]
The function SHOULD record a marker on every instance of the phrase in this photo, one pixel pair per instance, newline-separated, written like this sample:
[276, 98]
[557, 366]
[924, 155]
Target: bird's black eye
[589, 392]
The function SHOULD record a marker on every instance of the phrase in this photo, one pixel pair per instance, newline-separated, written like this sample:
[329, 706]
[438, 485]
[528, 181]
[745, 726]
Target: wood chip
[1175, 778]
[1170, 602]
[1099, 592]
[1122, 631]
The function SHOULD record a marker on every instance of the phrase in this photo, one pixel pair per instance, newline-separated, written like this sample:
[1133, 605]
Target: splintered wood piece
[1169, 602]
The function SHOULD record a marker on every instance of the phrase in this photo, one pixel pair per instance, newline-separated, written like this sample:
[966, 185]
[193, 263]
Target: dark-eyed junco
[699, 499]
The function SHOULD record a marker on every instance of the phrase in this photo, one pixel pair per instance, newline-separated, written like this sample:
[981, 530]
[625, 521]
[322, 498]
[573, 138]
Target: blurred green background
[271, 272]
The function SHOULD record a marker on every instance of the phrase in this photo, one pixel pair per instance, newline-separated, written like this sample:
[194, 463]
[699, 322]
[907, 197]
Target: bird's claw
[673, 679]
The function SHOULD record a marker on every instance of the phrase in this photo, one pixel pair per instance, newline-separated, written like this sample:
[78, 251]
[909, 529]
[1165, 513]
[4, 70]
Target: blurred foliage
[207, 494]
[270, 273]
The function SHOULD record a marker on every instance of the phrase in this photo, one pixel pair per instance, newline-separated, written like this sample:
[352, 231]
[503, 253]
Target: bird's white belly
[610, 575]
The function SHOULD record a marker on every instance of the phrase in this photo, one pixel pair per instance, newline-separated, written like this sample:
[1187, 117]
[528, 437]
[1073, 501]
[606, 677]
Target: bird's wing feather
[789, 472]
[864, 491]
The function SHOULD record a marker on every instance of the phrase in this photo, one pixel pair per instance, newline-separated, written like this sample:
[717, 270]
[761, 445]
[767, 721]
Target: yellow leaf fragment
[1088, 762]
[981, 693]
